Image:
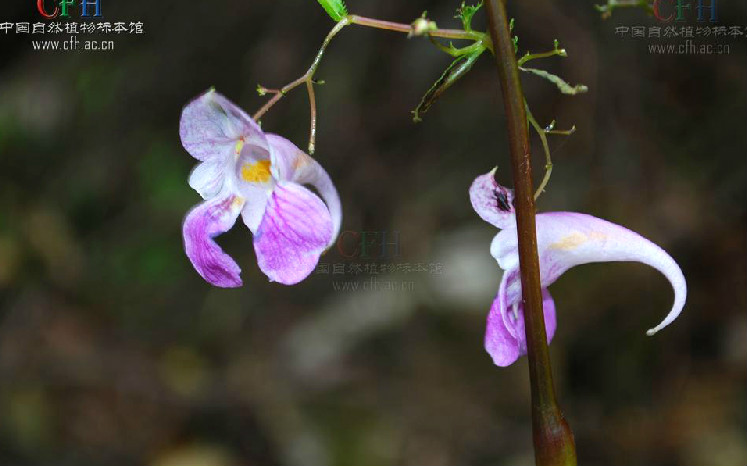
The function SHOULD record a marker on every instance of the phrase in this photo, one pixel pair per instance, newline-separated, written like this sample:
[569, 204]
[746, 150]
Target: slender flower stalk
[308, 79]
[553, 439]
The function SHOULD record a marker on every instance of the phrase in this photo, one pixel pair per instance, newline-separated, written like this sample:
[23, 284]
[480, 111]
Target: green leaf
[564, 87]
[456, 70]
[465, 13]
[514, 39]
[334, 8]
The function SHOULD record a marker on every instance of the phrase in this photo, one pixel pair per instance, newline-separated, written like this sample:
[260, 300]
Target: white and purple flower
[564, 239]
[260, 176]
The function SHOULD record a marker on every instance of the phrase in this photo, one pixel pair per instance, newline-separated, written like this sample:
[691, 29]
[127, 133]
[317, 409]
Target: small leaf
[563, 86]
[456, 70]
[334, 8]
[465, 13]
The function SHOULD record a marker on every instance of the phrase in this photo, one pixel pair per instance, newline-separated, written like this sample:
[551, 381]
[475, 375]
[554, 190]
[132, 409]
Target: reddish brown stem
[553, 439]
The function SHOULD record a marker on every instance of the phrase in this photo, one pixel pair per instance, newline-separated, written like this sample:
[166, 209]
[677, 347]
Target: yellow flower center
[258, 172]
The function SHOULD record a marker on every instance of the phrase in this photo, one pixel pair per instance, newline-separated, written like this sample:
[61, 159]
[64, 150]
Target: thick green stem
[553, 439]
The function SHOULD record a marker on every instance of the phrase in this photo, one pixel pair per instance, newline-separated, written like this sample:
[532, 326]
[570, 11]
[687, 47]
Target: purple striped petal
[289, 163]
[203, 222]
[492, 202]
[211, 126]
[294, 231]
[505, 337]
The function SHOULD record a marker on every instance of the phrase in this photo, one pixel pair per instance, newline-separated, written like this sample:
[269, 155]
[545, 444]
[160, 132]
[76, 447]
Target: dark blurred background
[113, 351]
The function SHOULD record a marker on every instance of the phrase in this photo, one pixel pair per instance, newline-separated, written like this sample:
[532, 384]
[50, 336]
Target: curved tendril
[546, 147]
[533, 56]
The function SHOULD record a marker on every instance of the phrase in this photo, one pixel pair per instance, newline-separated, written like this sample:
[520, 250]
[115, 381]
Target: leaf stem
[407, 29]
[553, 439]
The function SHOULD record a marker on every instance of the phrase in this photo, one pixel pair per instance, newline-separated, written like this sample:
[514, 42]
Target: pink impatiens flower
[260, 176]
[564, 239]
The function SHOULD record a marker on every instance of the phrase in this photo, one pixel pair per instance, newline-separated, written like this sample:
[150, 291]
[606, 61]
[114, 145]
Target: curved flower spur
[564, 239]
[260, 176]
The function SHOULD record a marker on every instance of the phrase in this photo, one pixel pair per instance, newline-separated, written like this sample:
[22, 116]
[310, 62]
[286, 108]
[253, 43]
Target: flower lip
[289, 163]
[295, 229]
[505, 337]
[204, 222]
[567, 239]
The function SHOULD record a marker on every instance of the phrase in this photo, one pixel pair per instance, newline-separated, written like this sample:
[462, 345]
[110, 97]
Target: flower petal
[504, 248]
[211, 126]
[294, 231]
[204, 222]
[505, 337]
[503, 347]
[492, 202]
[509, 294]
[566, 239]
[207, 178]
[289, 163]
[286, 156]
[256, 203]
